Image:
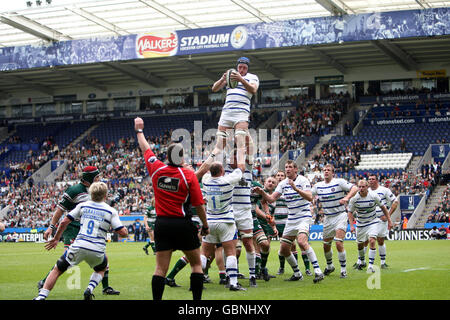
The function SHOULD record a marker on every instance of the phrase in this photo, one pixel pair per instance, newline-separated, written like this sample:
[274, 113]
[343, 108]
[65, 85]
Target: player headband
[89, 174]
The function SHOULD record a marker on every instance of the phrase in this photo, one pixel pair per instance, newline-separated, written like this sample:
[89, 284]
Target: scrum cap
[89, 174]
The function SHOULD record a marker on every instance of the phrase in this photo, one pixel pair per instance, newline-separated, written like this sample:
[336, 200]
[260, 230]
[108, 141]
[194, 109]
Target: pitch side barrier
[18, 235]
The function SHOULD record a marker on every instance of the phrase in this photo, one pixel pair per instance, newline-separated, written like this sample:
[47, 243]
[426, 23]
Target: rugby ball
[230, 82]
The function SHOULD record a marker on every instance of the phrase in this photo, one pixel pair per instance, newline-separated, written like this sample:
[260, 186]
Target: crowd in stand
[306, 121]
[441, 213]
[121, 166]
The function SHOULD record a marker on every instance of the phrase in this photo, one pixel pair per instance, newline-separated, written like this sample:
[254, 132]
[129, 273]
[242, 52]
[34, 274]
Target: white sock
[294, 265]
[382, 252]
[251, 260]
[231, 269]
[43, 294]
[343, 260]
[372, 254]
[94, 281]
[313, 259]
[329, 258]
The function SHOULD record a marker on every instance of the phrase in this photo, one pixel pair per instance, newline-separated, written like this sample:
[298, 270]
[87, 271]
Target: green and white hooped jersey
[255, 199]
[73, 196]
[151, 214]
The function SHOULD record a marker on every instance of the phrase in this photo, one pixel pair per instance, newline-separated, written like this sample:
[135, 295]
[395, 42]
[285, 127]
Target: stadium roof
[84, 19]
[25, 22]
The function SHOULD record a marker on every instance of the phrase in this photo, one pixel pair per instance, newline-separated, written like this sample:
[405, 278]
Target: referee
[175, 188]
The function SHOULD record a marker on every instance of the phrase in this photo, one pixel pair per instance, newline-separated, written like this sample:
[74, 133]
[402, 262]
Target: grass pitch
[418, 270]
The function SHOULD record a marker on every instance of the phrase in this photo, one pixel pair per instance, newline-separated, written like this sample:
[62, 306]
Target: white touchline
[424, 268]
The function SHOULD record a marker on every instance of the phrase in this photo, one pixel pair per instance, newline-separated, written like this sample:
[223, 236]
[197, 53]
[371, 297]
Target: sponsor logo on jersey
[168, 183]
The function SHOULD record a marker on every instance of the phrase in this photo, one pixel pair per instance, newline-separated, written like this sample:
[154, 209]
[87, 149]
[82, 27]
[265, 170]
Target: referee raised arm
[175, 188]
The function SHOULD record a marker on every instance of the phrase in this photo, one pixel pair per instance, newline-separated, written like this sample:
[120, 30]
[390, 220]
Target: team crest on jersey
[333, 189]
[168, 183]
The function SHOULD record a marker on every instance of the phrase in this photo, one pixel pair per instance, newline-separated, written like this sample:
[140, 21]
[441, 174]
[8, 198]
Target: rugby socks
[294, 265]
[382, 252]
[372, 254]
[223, 274]
[251, 260]
[94, 281]
[43, 294]
[282, 260]
[105, 282]
[231, 269]
[197, 285]
[152, 244]
[343, 260]
[257, 263]
[158, 284]
[313, 258]
[295, 253]
[305, 260]
[264, 258]
[329, 258]
[181, 263]
[361, 256]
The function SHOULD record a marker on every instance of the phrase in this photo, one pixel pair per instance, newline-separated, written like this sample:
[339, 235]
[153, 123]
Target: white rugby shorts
[364, 233]
[294, 227]
[333, 223]
[383, 231]
[220, 232]
[76, 255]
[229, 118]
[243, 218]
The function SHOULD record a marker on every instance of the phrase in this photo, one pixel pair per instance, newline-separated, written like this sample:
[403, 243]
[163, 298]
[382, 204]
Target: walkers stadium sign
[160, 45]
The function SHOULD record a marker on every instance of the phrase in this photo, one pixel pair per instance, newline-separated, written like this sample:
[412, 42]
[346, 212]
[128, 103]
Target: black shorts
[175, 234]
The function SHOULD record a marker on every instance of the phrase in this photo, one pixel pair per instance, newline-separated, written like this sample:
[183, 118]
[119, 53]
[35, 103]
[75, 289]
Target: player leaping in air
[236, 110]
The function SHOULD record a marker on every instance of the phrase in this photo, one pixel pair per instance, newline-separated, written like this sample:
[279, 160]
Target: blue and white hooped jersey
[95, 220]
[387, 198]
[241, 194]
[219, 194]
[239, 99]
[365, 208]
[330, 194]
[298, 207]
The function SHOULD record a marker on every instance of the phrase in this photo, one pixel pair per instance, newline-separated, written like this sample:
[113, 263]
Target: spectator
[402, 145]
[434, 233]
[137, 230]
[442, 232]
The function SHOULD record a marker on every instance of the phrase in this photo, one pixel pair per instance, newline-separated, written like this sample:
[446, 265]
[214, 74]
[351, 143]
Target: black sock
[157, 287]
[197, 285]
[105, 280]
